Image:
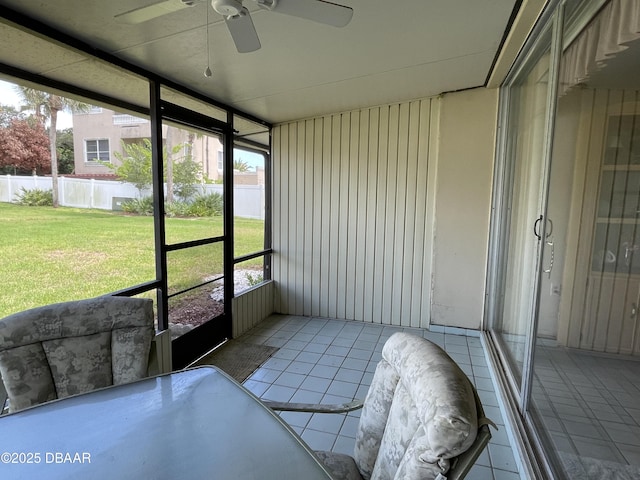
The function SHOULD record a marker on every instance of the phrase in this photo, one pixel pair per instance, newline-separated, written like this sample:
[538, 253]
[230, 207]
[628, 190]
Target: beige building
[99, 136]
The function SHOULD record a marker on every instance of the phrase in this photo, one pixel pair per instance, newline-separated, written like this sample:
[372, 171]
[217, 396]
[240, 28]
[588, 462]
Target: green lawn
[50, 255]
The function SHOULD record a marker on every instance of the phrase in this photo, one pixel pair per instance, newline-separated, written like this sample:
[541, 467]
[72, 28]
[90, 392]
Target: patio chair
[421, 418]
[74, 347]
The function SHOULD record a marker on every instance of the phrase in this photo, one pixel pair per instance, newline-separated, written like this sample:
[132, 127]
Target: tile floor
[589, 404]
[332, 361]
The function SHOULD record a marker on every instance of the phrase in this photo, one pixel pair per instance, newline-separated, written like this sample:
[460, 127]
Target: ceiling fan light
[207, 72]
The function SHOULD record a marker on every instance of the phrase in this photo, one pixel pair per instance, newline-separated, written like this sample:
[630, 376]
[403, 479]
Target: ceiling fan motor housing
[228, 8]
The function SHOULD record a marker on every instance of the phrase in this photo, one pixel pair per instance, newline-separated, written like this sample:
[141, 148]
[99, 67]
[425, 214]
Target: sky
[8, 96]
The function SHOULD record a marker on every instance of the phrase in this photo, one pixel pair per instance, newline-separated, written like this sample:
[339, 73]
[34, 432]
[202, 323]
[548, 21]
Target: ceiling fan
[238, 18]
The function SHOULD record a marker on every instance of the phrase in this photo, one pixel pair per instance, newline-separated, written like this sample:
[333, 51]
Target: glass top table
[192, 424]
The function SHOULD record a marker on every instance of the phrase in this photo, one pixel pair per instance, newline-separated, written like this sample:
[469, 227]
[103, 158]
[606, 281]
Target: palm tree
[240, 165]
[47, 106]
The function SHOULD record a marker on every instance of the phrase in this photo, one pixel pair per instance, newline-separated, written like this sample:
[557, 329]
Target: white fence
[108, 194]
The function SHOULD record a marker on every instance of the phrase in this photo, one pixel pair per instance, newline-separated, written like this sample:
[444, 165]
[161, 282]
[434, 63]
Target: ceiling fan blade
[243, 32]
[142, 14]
[315, 10]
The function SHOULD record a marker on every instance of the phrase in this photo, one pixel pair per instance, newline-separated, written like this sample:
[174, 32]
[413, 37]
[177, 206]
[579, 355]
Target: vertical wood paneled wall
[160, 360]
[251, 307]
[351, 214]
[598, 312]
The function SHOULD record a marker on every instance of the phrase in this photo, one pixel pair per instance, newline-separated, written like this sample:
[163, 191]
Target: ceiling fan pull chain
[207, 71]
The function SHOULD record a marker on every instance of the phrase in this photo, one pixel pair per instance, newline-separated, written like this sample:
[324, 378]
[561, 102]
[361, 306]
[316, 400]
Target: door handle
[536, 226]
[551, 258]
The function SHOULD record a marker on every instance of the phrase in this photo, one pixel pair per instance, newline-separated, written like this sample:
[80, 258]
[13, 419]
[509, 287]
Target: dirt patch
[191, 310]
[195, 310]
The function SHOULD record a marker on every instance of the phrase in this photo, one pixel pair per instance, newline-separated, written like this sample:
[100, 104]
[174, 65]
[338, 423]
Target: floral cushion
[73, 347]
[419, 412]
[26, 376]
[339, 465]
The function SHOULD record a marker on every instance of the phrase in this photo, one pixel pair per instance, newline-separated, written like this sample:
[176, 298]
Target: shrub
[254, 279]
[140, 206]
[35, 197]
[177, 209]
[206, 206]
[203, 206]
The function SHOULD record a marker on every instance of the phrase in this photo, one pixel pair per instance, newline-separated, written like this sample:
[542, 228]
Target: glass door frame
[502, 180]
[518, 393]
[569, 18]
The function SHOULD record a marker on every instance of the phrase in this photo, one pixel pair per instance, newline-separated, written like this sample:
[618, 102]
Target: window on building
[97, 150]
[220, 161]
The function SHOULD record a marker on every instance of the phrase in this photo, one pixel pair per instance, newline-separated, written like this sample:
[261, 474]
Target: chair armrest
[461, 464]
[4, 399]
[314, 407]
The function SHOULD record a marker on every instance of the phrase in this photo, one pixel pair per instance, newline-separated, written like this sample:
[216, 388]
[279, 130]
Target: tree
[181, 173]
[186, 175]
[135, 164]
[8, 113]
[135, 168]
[240, 165]
[168, 162]
[47, 106]
[66, 162]
[24, 146]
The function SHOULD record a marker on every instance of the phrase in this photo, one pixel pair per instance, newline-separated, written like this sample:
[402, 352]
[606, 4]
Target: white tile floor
[332, 361]
[589, 406]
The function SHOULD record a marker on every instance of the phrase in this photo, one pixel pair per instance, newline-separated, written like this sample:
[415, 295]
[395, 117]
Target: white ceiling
[391, 51]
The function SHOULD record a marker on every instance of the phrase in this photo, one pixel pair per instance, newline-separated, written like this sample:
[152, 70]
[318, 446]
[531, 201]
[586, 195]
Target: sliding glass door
[523, 223]
[585, 384]
[565, 289]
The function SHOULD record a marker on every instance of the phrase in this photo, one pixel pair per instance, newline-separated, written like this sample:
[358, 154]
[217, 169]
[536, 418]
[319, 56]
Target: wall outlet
[556, 289]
